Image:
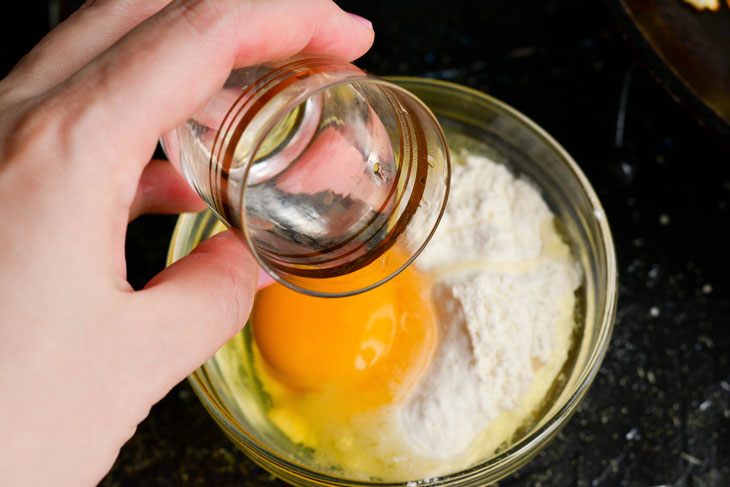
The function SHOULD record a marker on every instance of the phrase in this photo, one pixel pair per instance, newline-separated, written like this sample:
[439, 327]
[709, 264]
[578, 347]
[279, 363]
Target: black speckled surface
[658, 413]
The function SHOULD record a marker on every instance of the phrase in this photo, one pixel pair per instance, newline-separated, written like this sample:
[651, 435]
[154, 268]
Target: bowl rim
[519, 452]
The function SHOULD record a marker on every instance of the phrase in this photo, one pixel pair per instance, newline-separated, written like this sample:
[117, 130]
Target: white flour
[504, 298]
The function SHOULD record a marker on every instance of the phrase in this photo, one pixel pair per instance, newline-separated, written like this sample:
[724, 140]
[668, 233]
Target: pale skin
[83, 357]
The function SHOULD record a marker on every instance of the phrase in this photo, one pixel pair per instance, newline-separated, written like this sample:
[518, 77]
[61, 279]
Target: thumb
[189, 310]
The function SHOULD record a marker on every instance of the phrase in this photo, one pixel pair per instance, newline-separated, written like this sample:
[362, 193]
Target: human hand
[82, 356]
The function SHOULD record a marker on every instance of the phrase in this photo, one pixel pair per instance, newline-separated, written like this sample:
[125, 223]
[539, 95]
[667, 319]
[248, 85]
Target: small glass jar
[336, 179]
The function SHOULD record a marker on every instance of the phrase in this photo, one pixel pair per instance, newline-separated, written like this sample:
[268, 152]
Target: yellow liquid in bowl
[319, 380]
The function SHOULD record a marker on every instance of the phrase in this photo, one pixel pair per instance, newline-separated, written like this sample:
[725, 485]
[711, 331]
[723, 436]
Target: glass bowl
[527, 150]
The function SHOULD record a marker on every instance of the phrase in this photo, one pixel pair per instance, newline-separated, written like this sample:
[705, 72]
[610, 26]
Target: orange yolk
[360, 351]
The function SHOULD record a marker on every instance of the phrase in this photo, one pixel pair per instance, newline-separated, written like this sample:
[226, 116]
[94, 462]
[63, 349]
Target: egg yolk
[358, 352]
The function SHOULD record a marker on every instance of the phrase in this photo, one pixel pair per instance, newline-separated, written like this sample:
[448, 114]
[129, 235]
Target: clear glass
[468, 117]
[336, 179]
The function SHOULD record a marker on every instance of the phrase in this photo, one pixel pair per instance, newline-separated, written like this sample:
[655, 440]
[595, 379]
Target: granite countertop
[659, 411]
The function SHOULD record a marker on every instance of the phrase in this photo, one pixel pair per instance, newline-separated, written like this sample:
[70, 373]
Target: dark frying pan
[688, 51]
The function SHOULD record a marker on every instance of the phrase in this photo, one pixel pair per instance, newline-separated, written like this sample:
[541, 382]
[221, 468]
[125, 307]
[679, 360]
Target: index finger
[167, 67]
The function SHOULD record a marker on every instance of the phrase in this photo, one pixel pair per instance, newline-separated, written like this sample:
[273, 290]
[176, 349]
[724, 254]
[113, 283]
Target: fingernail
[264, 279]
[362, 20]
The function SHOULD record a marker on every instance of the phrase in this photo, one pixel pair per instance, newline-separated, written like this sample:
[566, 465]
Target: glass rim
[283, 112]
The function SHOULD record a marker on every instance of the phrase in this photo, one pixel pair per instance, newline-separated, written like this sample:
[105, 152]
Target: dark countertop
[659, 411]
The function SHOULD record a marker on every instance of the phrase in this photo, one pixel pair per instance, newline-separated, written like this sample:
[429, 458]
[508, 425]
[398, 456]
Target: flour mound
[504, 303]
